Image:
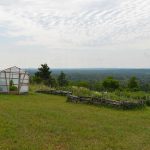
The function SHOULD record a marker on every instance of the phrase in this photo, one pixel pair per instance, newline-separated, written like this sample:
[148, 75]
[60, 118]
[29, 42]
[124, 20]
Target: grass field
[45, 122]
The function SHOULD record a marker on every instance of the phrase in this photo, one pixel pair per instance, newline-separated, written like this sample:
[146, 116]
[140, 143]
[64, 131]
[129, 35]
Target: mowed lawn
[46, 122]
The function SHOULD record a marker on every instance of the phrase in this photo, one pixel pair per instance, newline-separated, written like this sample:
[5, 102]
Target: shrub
[13, 88]
[110, 84]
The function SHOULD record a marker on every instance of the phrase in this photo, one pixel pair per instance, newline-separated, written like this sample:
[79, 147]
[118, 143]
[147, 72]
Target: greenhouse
[14, 80]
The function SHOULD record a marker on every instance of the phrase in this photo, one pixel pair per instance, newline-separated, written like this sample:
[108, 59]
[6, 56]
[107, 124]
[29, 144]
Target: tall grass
[35, 87]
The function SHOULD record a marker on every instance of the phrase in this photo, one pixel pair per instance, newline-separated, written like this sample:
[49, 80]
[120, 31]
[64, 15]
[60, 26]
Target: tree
[110, 84]
[145, 87]
[44, 74]
[62, 80]
[83, 84]
[98, 86]
[54, 82]
[35, 79]
[133, 84]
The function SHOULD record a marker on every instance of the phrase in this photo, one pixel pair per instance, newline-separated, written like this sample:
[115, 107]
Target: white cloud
[80, 24]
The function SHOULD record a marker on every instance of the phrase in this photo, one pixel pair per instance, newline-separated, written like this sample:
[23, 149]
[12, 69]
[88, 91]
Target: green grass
[45, 122]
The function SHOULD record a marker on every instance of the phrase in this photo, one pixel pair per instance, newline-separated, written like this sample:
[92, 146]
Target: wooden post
[19, 82]
[6, 82]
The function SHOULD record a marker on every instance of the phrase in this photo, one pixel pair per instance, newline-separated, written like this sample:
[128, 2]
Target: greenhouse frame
[14, 80]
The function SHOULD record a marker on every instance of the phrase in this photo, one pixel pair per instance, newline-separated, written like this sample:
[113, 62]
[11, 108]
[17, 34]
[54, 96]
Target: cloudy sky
[75, 33]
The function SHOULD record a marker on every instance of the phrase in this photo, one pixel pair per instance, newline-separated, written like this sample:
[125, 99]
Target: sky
[75, 33]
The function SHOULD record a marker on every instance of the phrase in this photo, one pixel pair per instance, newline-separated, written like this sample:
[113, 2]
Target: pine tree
[44, 74]
[133, 84]
[62, 80]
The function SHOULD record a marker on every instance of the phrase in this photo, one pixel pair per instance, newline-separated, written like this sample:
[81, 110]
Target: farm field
[46, 122]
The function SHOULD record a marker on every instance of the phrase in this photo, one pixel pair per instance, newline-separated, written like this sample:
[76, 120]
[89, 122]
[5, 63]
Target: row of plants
[116, 95]
[84, 95]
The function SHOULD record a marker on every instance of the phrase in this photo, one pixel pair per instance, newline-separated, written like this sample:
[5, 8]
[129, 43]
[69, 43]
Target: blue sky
[75, 33]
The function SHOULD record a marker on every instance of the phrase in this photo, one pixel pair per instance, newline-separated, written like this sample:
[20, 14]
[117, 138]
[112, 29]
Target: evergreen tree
[133, 84]
[62, 80]
[44, 74]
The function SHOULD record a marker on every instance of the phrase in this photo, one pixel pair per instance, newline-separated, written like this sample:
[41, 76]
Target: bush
[110, 84]
[13, 88]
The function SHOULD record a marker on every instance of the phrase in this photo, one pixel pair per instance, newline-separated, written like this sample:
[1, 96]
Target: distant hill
[99, 74]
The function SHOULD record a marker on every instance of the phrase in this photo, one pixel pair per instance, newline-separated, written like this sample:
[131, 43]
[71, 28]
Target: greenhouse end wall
[14, 80]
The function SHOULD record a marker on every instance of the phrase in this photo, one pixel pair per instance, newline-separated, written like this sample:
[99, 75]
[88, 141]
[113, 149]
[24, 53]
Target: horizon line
[86, 68]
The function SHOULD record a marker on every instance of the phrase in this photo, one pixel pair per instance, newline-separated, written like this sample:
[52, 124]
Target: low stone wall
[106, 102]
[94, 100]
[54, 92]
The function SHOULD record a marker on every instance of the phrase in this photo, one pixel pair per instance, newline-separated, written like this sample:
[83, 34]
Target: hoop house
[14, 80]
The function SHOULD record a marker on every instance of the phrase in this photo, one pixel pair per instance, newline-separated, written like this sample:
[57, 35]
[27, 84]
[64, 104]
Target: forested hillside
[100, 74]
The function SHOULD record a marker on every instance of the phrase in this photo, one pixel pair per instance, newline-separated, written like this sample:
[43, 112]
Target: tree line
[44, 76]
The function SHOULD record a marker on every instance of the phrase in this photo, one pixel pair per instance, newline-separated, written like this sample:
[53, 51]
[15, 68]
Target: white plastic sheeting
[16, 77]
